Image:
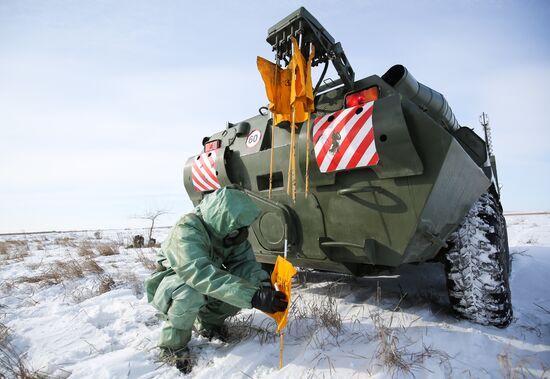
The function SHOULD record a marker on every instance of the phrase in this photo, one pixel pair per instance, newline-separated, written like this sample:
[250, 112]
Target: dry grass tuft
[388, 352]
[306, 319]
[3, 248]
[395, 356]
[147, 262]
[130, 279]
[100, 284]
[107, 249]
[505, 363]
[6, 286]
[241, 327]
[123, 239]
[17, 242]
[319, 312]
[106, 283]
[65, 241]
[61, 271]
[85, 249]
[89, 265]
[20, 253]
[14, 250]
[524, 367]
[69, 269]
[12, 364]
[55, 273]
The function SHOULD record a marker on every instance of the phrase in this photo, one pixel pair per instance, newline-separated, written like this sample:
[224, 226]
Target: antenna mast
[484, 121]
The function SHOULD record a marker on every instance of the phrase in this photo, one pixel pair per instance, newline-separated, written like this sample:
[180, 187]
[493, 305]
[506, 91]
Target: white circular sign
[253, 138]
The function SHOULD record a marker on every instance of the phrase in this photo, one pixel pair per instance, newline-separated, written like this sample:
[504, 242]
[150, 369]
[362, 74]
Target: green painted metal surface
[399, 211]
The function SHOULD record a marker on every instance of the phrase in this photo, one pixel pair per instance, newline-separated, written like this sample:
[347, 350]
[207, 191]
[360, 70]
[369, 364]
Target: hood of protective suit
[227, 209]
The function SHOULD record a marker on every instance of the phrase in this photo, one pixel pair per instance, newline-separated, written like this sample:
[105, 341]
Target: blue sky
[101, 102]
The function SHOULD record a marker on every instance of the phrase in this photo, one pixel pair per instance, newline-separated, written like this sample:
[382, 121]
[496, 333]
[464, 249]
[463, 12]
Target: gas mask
[236, 237]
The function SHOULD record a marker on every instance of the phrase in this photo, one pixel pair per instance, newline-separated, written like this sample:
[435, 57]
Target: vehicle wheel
[478, 265]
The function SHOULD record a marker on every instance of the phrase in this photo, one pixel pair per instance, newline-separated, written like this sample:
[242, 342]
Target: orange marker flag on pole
[277, 87]
[291, 98]
[281, 278]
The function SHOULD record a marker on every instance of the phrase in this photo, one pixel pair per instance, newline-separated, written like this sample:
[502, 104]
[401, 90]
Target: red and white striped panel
[203, 172]
[345, 139]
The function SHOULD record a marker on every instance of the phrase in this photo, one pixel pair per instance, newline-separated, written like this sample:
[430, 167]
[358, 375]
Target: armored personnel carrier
[394, 179]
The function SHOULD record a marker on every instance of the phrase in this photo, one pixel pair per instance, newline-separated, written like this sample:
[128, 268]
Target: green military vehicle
[393, 179]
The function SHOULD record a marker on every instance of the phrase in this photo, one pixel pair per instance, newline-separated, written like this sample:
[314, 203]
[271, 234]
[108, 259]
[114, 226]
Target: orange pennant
[281, 278]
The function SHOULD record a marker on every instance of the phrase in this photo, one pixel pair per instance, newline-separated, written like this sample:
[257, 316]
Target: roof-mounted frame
[303, 26]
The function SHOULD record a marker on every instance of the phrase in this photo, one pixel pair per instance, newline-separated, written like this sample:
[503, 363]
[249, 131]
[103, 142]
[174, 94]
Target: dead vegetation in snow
[13, 250]
[61, 271]
[12, 363]
[107, 249]
[513, 367]
[130, 280]
[324, 318]
[79, 271]
[318, 321]
[397, 353]
[85, 249]
[146, 261]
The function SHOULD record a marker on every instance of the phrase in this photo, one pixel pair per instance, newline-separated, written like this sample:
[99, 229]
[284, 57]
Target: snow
[343, 327]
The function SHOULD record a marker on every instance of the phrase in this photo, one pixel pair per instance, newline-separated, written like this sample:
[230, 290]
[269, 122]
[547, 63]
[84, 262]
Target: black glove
[266, 299]
[266, 283]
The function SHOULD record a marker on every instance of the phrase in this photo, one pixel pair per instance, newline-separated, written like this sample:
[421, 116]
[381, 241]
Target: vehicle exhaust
[430, 101]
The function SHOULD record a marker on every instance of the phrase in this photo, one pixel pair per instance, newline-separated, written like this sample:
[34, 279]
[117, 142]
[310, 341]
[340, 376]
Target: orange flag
[290, 94]
[289, 87]
[277, 87]
[301, 88]
[281, 278]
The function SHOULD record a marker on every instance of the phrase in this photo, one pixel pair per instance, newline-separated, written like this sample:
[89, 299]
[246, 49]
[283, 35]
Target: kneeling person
[208, 272]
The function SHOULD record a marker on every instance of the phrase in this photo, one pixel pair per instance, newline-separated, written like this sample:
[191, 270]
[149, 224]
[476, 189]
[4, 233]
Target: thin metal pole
[281, 348]
[275, 82]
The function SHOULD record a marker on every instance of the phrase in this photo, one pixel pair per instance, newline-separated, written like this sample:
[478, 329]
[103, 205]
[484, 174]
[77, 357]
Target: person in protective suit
[208, 272]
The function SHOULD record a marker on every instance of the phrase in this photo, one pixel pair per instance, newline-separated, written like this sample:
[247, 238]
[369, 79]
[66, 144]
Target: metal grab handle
[350, 191]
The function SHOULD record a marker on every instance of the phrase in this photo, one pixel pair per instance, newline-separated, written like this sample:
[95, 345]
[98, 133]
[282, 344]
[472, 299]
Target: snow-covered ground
[81, 319]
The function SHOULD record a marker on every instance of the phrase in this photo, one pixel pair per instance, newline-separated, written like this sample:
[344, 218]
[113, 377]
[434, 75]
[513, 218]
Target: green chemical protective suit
[204, 280]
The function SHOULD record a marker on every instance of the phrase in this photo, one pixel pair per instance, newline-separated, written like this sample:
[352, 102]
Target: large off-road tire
[478, 265]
